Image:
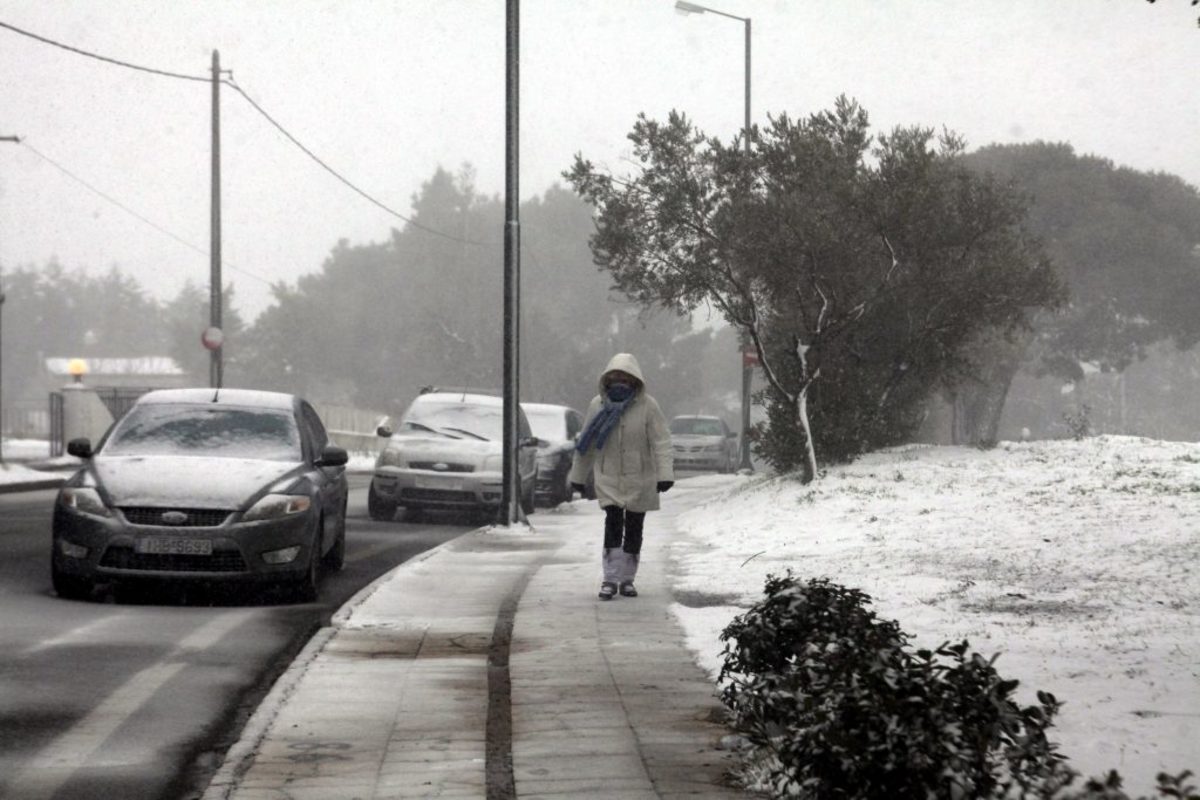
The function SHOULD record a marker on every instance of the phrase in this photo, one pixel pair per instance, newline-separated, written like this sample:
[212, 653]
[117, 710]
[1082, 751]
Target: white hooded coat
[637, 453]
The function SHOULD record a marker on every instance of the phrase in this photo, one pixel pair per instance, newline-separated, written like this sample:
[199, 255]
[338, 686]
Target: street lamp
[747, 369]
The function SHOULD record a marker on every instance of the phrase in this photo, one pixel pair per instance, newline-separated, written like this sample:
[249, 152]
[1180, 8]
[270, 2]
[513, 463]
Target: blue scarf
[614, 401]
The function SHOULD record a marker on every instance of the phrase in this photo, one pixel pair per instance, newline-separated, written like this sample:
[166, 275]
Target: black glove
[579, 487]
[665, 485]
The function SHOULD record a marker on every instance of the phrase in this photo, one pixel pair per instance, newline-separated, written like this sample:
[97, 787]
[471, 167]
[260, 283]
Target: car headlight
[390, 457]
[493, 463]
[275, 506]
[84, 500]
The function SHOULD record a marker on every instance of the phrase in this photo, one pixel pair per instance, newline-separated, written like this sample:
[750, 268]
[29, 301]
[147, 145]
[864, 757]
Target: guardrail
[357, 443]
[352, 428]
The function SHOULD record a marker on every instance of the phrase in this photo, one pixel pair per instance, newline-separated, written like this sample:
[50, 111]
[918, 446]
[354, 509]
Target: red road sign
[212, 338]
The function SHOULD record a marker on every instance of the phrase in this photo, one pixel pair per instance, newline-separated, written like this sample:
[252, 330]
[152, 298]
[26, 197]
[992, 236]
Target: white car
[703, 442]
[447, 453]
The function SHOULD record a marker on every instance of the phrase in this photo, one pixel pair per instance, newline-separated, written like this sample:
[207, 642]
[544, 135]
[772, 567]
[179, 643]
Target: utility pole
[510, 496]
[215, 362]
[14, 140]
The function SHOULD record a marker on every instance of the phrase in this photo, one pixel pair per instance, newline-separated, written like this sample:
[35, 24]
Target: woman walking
[626, 445]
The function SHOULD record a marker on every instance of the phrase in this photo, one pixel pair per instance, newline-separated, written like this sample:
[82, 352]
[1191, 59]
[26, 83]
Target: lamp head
[76, 368]
[684, 7]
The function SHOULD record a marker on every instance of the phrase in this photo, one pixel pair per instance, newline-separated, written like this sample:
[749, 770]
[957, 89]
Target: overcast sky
[385, 92]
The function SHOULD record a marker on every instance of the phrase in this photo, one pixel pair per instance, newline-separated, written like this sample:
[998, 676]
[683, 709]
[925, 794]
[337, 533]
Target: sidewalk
[489, 668]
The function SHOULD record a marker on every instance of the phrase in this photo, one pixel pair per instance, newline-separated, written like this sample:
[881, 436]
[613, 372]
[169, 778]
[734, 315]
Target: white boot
[629, 568]
[612, 565]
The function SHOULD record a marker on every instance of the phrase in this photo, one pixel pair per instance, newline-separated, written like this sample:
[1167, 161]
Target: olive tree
[856, 265]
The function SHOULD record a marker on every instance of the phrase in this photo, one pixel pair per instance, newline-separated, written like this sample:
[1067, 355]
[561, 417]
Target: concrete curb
[240, 756]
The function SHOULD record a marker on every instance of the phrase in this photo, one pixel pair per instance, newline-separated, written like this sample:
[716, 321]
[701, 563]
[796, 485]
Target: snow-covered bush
[837, 705]
[837, 701]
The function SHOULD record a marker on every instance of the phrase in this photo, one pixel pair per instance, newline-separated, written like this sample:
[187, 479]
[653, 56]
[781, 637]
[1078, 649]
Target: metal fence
[25, 419]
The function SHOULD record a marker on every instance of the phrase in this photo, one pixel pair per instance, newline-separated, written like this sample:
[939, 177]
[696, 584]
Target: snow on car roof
[545, 407]
[460, 397]
[252, 398]
[694, 416]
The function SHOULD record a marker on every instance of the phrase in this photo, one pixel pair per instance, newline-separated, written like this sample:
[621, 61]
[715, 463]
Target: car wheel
[565, 492]
[379, 508]
[335, 559]
[307, 586]
[70, 587]
[526, 497]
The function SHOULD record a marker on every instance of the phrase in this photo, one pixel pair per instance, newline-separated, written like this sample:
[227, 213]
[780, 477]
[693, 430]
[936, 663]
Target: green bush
[836, 705]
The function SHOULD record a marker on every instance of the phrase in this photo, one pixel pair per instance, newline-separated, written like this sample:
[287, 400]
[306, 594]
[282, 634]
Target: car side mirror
[531, 441]
[333, 456]
[80, 448]
[385, 431]
[732, 434]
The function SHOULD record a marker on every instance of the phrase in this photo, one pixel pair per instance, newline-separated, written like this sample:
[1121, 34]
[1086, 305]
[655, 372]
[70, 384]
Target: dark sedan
[203, 484]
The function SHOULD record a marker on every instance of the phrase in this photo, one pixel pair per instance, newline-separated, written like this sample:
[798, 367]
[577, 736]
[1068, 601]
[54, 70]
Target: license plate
[431, 482]
[170, 546]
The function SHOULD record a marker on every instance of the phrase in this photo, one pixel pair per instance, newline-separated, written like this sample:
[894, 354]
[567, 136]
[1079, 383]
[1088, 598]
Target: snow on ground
[1077, 561]
[360, 464]
[25, 449]
[18, 473]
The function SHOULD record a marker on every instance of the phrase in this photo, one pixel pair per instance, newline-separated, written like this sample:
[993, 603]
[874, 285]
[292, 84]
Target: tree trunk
[978, 409]
[979, 402]
[810, 452]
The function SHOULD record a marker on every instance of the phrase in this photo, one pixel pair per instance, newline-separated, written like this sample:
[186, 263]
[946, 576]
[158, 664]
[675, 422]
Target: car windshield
[206, 430]
[548, 423]
[456, 418]
[696, 426]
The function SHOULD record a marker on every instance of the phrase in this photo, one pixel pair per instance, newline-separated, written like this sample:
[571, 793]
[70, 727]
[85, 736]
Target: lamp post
[14, 140]
[747, 366]
[510, 494]
[216, 358]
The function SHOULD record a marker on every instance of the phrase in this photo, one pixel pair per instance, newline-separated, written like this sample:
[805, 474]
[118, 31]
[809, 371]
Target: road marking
[54, 765]
[74, 634]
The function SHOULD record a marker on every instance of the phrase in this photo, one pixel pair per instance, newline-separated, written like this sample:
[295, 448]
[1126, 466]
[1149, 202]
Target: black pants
[623, 529]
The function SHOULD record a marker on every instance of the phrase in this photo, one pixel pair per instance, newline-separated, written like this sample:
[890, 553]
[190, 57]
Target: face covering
[619, 391]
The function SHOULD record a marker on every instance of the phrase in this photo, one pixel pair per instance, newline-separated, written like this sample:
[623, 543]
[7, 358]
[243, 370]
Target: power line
[345, 180]
[265, 115]
[133, 213]
[99, 57]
